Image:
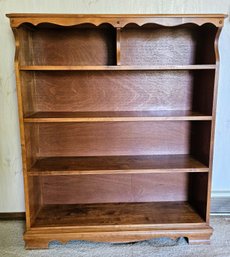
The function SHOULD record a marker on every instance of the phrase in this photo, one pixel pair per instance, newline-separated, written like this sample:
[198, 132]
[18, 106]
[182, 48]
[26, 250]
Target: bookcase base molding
[36, 239]
[117, 119]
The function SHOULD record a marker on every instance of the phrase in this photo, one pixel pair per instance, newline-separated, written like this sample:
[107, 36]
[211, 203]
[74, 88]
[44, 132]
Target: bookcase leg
[31, 244]
[199, 240]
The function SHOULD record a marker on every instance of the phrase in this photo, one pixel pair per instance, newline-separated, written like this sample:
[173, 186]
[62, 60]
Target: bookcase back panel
[114, 138]
[113, 90]
[115, 188]
[182, 45]
[78, 45]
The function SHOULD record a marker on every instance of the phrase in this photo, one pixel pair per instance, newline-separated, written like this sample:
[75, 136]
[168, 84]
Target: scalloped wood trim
[41, 239]
[115, 20]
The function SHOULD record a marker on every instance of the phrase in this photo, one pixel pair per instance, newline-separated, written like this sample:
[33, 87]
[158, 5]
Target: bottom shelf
[110, 214]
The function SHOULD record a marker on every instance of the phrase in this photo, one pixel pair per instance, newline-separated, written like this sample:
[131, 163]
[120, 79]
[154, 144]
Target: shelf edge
[120, 67]
[111, 172]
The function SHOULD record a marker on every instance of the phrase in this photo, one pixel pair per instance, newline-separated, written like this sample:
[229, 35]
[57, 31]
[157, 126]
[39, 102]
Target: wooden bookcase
[117, 117]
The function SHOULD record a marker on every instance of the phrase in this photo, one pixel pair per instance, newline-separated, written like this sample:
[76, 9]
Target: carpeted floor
[11, 245]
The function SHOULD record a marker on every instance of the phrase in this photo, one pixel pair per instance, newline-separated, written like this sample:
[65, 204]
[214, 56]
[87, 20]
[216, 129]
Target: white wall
[11, 183]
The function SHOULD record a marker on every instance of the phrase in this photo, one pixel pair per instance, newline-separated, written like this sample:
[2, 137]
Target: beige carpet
[11, 244]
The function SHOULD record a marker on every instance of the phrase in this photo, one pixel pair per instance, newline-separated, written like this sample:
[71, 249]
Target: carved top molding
[115, 20]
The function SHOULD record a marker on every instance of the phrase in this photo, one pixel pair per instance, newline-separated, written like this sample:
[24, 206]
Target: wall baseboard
[219, 193]
[219, 205]
[12, 216]
[220, 202]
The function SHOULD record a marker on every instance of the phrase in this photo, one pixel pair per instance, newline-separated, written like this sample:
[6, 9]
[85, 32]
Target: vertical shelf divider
[118, 46]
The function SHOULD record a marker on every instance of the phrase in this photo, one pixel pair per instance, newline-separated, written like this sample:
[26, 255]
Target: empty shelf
[122, 214]
[115, 116]
[116, 165]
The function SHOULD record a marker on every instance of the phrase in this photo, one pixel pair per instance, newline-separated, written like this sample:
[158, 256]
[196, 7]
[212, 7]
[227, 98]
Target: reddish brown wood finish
[117, 118]
[123, 214]
[117, 67]
[115, 188]
[182, 45]
[116, 165]
[110, 91]
[40, 238]
[126, 138]
[73, 46]
[39, 117]
[117, 20]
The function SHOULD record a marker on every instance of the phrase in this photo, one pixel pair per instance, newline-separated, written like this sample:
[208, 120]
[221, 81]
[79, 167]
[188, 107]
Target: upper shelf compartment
[80, 45]
[115, 41]
[151, 44]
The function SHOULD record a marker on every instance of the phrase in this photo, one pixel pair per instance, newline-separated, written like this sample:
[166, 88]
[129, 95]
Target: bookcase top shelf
[115, 20]
[119, 67]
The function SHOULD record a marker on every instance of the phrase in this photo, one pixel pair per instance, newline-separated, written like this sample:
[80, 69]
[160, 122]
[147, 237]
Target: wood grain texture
[113, 91]
[79, 46]
[103, 45]
[118, 46]
[29, 213]
[200, 141]
[115, 188]
[57, 15]
[35, 196]
[213, 126]
[28, 92]
[113, 138]
[166, 46]
[198, 190]
[32, 145]
[109, 91]
[116, 165]
[196, 234]
[116, 214]
[203, 91]
[117, 67]
[106, 94]
[117, 20]
[114, 116]
[26, 46]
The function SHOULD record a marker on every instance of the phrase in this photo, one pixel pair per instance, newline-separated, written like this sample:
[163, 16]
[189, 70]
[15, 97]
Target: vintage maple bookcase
[117, 116]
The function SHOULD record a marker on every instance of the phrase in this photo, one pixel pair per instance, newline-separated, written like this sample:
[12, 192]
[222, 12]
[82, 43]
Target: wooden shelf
[122, 214]
[115, 116]
[121, 67]
[116, 165]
